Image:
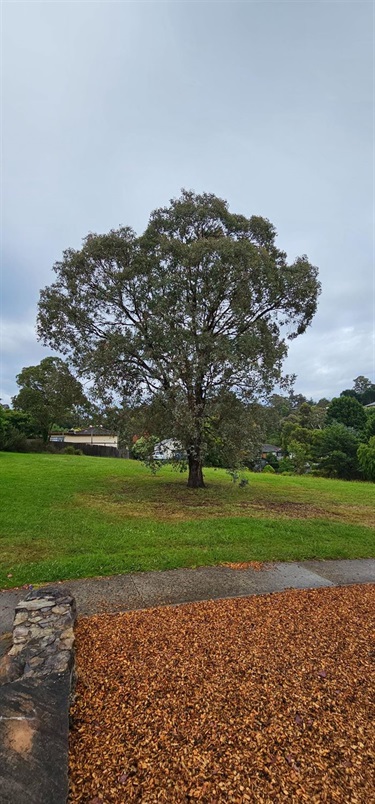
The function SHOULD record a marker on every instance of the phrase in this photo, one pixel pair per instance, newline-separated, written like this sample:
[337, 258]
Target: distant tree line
[49, 396]
[363, 390]
[333, 438]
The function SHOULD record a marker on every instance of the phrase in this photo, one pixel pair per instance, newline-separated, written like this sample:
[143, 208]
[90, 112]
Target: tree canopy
[363, 390]
[200, 306]
[335, 450]
[348, 411]
[48, 392]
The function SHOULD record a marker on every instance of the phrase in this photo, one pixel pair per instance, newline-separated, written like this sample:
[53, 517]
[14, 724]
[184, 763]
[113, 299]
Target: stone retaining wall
[37, 678]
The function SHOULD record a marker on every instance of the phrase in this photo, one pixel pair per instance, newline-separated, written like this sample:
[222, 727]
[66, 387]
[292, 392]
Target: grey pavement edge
[139, 590]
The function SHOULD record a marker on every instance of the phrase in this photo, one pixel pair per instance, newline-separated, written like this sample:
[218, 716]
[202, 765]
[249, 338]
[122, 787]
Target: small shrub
[35, 445]
[272, 461]
[78, 452]
[234, 475]
[50, 447]
[267, 469]
[13, 441]
[69, 450]
[286, 466]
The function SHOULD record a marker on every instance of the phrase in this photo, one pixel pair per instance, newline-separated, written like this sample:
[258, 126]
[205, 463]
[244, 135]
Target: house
[370, 405]
[267, 448]
[97, 436]
[168, 450]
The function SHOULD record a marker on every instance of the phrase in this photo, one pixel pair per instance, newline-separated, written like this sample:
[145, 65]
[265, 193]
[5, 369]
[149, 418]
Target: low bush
[50, 447]
[70, 450]
[35, 445]
[12, 440]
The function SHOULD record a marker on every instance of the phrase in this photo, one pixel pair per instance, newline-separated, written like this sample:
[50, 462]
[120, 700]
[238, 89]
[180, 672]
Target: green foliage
[71, 450]
[366, 459]
[236, 477]
[50, 447]
[16, 428]
[23, 422]
[143, 450]
[268, 469]
[370, 423]
[286, 465]
[300, 455]
[347, 410]
[272, 461]
[48, 392]
[232, 435]
[363, 390]
[193, 310]
[335, 451]
[11, 439]
[305, 416]
[36, 445]
[337, 464]
[284, 413]
[293, 433]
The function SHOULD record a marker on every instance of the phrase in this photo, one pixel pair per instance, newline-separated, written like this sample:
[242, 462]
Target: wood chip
[263, 699]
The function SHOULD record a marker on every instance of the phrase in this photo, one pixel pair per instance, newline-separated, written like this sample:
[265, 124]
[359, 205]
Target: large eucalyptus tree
[199, 307]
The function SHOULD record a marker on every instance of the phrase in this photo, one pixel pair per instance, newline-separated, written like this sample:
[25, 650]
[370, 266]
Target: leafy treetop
[348, 411]
[48, 392]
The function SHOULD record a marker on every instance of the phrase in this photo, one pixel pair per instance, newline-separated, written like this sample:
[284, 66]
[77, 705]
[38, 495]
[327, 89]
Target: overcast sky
[109, 108]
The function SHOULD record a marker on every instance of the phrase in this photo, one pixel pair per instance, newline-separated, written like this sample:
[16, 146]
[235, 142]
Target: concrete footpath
[140, 590]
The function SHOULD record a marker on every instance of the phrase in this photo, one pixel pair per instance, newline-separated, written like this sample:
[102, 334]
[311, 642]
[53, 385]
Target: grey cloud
[109, 109]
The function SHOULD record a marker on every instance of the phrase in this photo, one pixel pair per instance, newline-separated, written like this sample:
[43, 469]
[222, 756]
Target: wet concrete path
[140, 590]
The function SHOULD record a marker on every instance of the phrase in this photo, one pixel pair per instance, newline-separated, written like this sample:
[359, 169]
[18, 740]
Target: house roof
[370, 405]
[270, 448]
[92, 431]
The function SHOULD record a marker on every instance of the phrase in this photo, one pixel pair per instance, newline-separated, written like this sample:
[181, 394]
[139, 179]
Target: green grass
[68, 517]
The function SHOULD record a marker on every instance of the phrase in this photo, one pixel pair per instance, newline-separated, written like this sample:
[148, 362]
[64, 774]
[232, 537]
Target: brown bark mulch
[262, 699]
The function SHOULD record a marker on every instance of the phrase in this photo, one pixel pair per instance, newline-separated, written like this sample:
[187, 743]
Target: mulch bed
[263, 699]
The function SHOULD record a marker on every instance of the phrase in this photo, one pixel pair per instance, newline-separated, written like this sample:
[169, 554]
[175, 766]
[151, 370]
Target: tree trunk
[195, 479]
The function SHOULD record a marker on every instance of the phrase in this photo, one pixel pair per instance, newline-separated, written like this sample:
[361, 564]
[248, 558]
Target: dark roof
[92, 431]
[271, 448]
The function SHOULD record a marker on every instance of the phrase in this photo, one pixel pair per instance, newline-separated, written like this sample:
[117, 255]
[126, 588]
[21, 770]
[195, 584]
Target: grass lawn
[67, 516]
